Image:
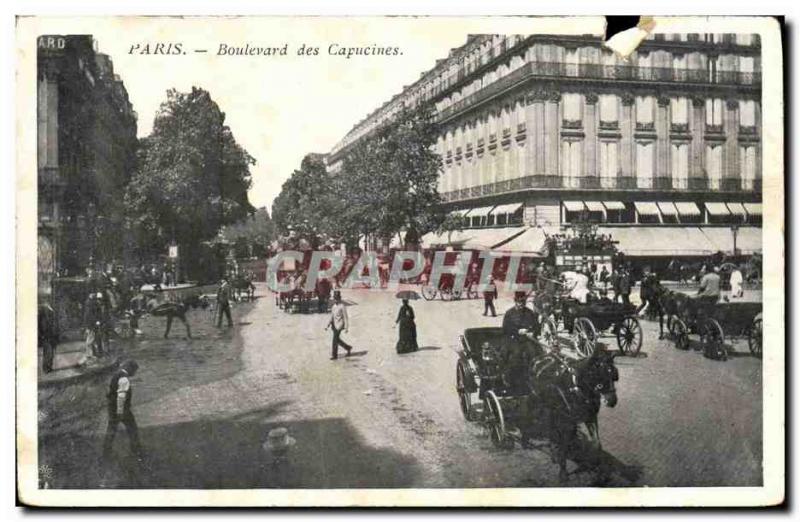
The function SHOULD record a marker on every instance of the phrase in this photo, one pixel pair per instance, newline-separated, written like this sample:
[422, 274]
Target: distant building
[86, 153]
[662, 150]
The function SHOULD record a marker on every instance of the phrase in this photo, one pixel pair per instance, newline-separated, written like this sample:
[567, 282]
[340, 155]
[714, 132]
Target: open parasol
[407, 294]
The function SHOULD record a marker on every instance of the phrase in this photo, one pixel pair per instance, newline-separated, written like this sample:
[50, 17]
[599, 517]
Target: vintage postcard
[400, 261]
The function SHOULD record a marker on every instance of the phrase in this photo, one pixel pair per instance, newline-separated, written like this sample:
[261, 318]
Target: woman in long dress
[408, 329]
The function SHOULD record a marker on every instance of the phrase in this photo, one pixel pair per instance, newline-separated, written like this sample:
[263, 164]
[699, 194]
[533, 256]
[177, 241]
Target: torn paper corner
[625, 42]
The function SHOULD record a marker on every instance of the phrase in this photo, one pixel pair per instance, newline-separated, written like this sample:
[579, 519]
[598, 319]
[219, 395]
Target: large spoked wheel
[549, 337]
[464, 389]
[755, 336]
[680, 333]
[712, 339]
[629, 336]
[584, 336]
[495, 422]
[428, 292]
[472, 291]
[457, 293]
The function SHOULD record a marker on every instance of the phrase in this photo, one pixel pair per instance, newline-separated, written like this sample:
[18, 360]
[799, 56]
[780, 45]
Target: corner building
[662, 150]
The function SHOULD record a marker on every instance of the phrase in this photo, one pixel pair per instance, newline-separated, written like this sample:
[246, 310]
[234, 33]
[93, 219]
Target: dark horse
[172, 310]
[243, 287]
[569, 394]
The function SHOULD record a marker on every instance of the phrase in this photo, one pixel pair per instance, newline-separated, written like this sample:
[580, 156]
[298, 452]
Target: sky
[279, 107]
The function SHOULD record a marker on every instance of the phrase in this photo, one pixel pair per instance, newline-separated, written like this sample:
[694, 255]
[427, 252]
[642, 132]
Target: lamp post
[735, 232]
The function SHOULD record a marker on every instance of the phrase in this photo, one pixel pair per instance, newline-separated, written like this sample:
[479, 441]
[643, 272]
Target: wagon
[483, 395]
[589, 322]
[713, 323]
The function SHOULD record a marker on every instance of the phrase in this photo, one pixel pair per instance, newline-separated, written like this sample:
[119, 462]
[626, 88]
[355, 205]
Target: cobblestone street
[378, 419]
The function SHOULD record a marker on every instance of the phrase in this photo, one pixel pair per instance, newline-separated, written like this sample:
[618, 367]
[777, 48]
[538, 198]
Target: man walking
[489, 295]
[94, 320]
[339, 321]
[224, 303]
[119, 396]
[625, 286]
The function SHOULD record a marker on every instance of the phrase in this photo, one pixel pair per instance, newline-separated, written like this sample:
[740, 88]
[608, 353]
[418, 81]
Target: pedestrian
[94, 321]
[646, 291]
[614, 280]
[625, 286]
[224, 303]
[120, 392]
[489, 295]
[339, 321]
[604, 277]
[407, 341]
[48, 335]
[736, 282]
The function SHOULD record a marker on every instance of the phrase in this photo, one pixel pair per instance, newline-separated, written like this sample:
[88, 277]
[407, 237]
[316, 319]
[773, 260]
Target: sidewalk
[70, 365]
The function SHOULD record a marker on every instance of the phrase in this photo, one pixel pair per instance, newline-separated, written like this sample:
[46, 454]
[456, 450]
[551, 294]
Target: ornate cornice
[554, 96]
[628, 98]
[591, 98]
[663, 101]
[732, 104]
[698, 101]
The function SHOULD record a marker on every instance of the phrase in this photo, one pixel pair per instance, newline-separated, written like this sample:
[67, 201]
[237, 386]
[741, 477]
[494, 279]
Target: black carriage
[587, 322]
[483, 393]
[713, 323]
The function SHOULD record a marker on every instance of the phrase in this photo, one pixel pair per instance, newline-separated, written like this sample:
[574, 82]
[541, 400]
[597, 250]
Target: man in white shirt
[119, 410]
[339, 321]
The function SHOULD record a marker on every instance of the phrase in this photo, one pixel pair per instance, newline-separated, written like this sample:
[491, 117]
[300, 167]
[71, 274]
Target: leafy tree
[451, 223]
[252, 234]
[390, 179]
[192, 176]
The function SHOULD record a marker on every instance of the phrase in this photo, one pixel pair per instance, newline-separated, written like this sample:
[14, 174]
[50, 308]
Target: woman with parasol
[408, 328]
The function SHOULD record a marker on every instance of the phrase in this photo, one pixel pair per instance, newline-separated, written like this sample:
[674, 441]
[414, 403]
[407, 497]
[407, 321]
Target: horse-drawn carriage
[713, 323]
[589, 322]
[558, 396]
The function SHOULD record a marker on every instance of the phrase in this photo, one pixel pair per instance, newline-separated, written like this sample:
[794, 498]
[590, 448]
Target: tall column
[531, 136]
[662, 138]
[590, 128]
[551, 134]
[697, 149]
[760, 144]
[731, 151]
[627, 125]
[539, 132]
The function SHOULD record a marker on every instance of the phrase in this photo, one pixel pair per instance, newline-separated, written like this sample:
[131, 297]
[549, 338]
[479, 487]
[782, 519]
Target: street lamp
[735, 232]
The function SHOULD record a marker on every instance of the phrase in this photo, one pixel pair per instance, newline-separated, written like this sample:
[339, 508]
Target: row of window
[664, 213]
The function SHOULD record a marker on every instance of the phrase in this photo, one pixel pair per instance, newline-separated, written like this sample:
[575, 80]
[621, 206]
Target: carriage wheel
[457, 293]
[446, 294]
[754, 337]
[629, 336]
[680, 333]
[472, 292]
[428, 292]
[464, 394]
[712, 339]
[549, 334]
[584, 336]
[495, 421]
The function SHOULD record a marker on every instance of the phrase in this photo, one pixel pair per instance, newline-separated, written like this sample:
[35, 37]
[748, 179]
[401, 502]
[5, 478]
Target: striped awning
[614, 205]
[463, 212]
[595, 206]
[754, 209]
[667, 208]
[573, 206]
[646, 208]
[480, 211]
[717, 209]
[660, 241]
[506, 209]
[737, 209]
[687, 208]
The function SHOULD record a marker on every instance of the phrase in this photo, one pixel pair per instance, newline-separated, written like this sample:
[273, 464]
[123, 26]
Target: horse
[172, 310]
[243, 286]
[570, 394]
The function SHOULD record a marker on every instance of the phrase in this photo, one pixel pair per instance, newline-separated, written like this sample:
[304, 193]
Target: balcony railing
[671, 184]
[602, 72]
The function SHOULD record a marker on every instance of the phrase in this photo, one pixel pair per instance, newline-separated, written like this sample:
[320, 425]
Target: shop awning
[488, 238]
[463, 212]
[687, 208]
[506, 209]
[717, 209]
[595, 206]
[480, 211]
[532, 242]
[614, 205]
[660, 241]
[748, 239]
[646, 208]
[667, 208]
[573, 206]
[754, 209]
[737, 209]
